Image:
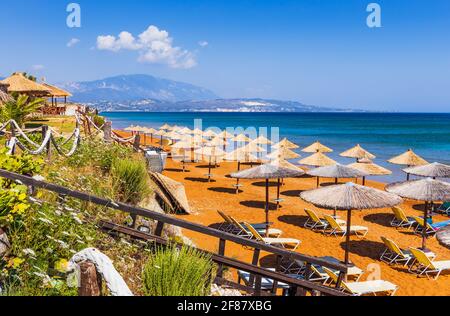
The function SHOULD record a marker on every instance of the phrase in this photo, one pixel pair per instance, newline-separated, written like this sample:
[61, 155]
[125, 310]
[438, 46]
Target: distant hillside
[134, 88]
[216, 105]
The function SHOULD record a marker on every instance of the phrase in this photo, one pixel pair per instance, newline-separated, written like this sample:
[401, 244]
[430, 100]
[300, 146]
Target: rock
[5, 246]
[220, 291]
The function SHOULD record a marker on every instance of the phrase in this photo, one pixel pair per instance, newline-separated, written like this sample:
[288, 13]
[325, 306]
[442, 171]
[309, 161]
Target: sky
[318, 52]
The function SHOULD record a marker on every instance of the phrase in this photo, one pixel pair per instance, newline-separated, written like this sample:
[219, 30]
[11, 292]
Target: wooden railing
[298, 286]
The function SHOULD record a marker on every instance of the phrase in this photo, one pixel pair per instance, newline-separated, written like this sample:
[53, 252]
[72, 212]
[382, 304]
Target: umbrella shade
[408, 158]
[443, 235]
[261, 140]
[422, 190]
[370, 168]
[336, 171]
[268, 171]
[317, 147]
[283, 153]
[241, 138]
[286, 144]
[433, 170]
[286, 164]
[350, 196]
[318, 160]
[357, 152]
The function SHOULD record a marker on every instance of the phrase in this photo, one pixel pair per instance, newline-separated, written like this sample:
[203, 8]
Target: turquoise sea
[383, 134]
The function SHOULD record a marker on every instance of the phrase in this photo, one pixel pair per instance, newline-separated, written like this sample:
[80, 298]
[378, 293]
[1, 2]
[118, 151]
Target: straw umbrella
[427, 190]
[209, 134]
[285, 164]
[261, 140]
[433, 170]
[357, 152]
[409, 159]
[150, 131]
[225, 135]
[283, 153]
[350, 196]
[317, 160]
[240, 139]
[336, 171]
[211, 152]
[240, 155]
[166, 127]
[286, 144]
[317, 147]
[185, 146]
[161, 133]
[372, 169]
[267, 172]
[443, 235]
[254, 149]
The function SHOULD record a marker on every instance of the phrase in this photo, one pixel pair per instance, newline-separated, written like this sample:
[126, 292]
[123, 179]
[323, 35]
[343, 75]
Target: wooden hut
[56, 93]
[18, 83]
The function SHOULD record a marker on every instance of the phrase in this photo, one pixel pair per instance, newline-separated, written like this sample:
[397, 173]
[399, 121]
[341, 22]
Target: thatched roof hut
[57, 92]
[317, 147]
[432, 170]
[20, 84]
[357, 152]
[409, 158]
[317, 160]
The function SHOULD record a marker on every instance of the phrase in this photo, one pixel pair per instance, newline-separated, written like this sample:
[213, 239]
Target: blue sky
[317, 52]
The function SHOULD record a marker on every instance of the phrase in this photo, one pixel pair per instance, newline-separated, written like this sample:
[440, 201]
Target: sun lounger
[430, 228]
[365, 287]
[229, 227]
[315, 222]
[444, 208]
[266, 283]
[400, 219]
[393, 254]
[425, 265]
[283, 242]
[335, 229]
[273, 232]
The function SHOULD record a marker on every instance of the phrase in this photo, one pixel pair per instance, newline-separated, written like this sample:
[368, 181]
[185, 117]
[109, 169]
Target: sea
[383, 134]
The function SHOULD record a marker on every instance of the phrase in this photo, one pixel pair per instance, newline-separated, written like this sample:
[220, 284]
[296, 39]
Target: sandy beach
[207, 197]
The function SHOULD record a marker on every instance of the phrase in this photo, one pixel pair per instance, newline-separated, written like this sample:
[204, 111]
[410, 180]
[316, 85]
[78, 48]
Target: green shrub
[178, 272]
[98, 120]
[129, 180]
[21, 164]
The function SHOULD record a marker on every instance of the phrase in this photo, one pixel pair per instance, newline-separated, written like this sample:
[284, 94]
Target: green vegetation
[20, 109]
[178, 272]
[129, 180]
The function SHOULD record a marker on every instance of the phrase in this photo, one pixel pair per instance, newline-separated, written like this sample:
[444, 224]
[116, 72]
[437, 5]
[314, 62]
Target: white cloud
[154, 46]
[73, 42]
[203, 43]
[38, 67]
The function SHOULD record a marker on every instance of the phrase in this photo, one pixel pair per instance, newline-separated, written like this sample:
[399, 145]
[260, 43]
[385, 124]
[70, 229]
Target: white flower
[29, 252]
[45, 220]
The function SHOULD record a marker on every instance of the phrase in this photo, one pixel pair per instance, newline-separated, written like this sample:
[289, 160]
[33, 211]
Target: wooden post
[267, 207]
[90, 282]
[424, 228]
[221, 253]
[347, 237]
[49, 145]
[107, 132]
[137, 142]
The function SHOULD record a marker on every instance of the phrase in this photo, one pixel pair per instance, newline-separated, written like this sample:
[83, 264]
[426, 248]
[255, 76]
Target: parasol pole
[267, 207]
[347, 237]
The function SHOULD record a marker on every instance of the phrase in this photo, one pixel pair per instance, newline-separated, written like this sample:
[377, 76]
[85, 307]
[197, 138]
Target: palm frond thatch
[443, 236]
[267, 171]
[432, 170]
[350, 196]
[370, 168]
[283, 153]
[18, 83]
[317, 147]
[428, 190]
[241, 138]
[286, 144]
[286, 164]
[56, 92]
[317, 160]
[261, 140]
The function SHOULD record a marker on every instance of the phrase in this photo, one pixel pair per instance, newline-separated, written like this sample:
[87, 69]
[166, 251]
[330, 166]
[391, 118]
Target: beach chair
[227, 225]
[273, 232]
[426, 265]
[314, 222]
[393, 253]
[400, 219]
[282, 242]
[335, 229]
[266, 283]
[365, 287]
[430, 228]
[444, 208]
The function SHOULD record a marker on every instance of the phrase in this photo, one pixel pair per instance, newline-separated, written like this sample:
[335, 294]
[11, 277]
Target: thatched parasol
[241, 138]
[443, 235]
[357, 152]
[432, 170]
[372, 169]
[186, 146]
[197, 132]
[283, 153]
[240, 155]
[216, 141]
[261, 140]
[350, 196]
[317, 147]
[317, 160]
[173, 135]
[427, 190]
[20, 84]
[165, 127]
[172, 191]
[210, 153]
[286, 144]
[209, 134]
[267, 172]
[335, 171]
[408, 158]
